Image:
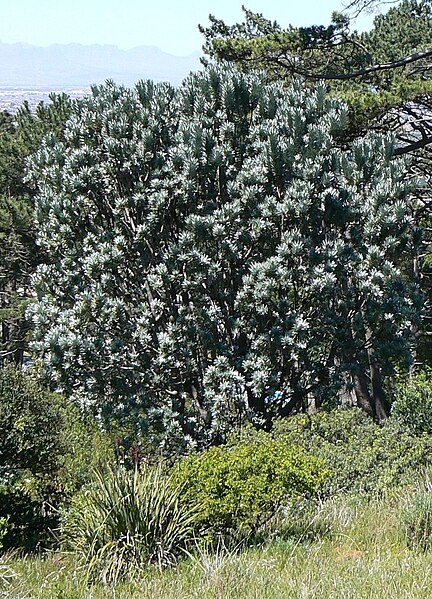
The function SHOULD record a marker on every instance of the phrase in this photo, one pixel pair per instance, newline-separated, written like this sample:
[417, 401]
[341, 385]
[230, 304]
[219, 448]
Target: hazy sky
[169, 24]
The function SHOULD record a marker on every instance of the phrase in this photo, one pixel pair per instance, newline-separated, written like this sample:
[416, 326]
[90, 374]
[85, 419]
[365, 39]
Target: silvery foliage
[213, 253]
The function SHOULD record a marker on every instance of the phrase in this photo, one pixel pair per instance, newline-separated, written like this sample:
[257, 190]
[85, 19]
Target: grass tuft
[127, 520]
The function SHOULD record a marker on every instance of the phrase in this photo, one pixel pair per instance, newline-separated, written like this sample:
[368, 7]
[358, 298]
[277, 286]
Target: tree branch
[401, 62]
[417, 145]
[359, 6]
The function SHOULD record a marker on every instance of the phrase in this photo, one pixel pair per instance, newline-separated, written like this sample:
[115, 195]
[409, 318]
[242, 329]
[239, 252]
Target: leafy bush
[3, 530]
[363, 457]
[417, 521]
[47, 450]
[127, 519]
[413, 406]
[240, 488]
[31, 446]
[85, 446]
[30, 424]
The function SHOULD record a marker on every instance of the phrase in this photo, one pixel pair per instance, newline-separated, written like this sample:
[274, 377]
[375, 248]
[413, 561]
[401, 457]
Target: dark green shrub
[86, 446]
[239, 488]
[127, 519]
[31, 423]
[413, 406]
[31, 447]
[362, 456]
[47, 450]
[3, 530]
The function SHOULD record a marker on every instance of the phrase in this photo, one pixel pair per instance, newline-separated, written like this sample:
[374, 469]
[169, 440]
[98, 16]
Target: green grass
[351, 549]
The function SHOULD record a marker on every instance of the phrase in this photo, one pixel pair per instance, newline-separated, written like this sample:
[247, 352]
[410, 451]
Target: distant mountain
[23, 66]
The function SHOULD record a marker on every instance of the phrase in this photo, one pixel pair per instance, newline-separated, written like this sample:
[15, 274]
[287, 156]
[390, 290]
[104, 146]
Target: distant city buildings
[11, 100]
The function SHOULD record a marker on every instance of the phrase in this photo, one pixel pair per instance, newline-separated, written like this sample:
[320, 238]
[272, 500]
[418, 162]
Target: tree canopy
[384, 75]
[214, 254]
[20, 136]
[375, 71]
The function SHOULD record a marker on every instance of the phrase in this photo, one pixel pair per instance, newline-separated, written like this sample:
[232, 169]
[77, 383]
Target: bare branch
[417, 145]
[367, 6]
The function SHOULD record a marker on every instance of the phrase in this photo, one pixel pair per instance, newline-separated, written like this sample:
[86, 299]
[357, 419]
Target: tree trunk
[362, 392]
[381, 406]
[380, 403]
[347, 394]
[415, 329]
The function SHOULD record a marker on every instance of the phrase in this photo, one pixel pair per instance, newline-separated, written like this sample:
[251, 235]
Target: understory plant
[32, 426]
[363, 457]
[126, 520]
[412, 409]
[241, 488]
[47, 450]
[416, 516]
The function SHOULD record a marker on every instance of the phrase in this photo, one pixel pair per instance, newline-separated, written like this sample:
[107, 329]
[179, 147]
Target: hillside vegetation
[215, 304]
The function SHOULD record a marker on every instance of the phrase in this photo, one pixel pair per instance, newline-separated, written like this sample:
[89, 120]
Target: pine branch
[401, 62]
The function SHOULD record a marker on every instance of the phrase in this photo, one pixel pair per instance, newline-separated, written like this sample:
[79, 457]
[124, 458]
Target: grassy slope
[354, 550]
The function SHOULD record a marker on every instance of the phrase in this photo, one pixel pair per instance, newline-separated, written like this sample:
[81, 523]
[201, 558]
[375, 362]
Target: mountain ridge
[24, 66]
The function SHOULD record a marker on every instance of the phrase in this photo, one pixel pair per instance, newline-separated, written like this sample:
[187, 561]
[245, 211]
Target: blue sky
[171, 25]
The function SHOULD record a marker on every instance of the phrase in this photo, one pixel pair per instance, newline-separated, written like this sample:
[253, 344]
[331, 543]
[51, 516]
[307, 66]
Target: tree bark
[362, 392]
